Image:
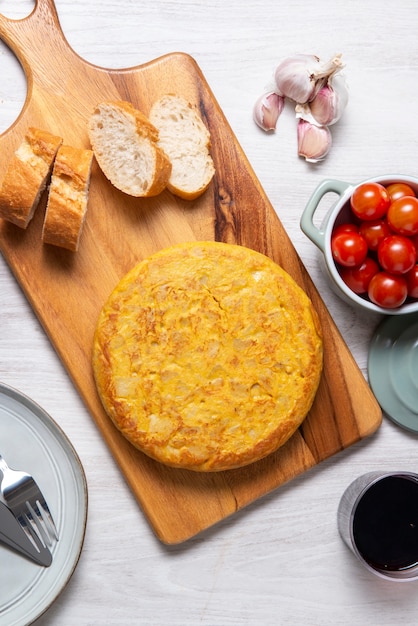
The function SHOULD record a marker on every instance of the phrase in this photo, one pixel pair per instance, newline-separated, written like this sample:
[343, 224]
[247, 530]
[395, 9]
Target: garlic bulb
[320, 94]
[314, 142]
[267, 110]
[300, 77]
[330, 101]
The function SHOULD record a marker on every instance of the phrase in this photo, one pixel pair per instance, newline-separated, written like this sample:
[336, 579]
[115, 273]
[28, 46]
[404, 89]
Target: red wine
[385, 524]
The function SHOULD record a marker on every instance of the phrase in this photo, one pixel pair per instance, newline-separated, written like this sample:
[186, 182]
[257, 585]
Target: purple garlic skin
[314, 142]
[267, 110]
[329, 103]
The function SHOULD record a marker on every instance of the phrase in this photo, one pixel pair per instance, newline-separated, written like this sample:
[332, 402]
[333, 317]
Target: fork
[21, 494]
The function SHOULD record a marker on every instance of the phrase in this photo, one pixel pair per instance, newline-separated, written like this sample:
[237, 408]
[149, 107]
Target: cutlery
[13, 535]
[21, 494]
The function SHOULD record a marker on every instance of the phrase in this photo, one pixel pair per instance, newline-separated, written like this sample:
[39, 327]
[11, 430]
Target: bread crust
[207, 356]
[139, 180]
[68, 197]
[27, 176]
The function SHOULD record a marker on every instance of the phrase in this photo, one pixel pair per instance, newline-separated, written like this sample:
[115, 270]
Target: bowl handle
[315, 234]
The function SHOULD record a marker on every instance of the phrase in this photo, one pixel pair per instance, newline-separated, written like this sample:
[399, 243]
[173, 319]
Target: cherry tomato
[396, 254]
[414, 240]
[412, 282]
[402, 215]
[370, 201]
[374, 231]
[387, 290]
[347, 227]
[349, 249]
[399, 190]
[358, 278]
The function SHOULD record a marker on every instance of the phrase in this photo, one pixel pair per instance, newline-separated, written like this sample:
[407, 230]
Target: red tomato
[387, 290]
[349, 249]
[414, 240]
[370, 201]
[396, 254]
[399, 190]
[374, 231]
[358, 278]
[347, 227]
[402, 216]
[412, 282]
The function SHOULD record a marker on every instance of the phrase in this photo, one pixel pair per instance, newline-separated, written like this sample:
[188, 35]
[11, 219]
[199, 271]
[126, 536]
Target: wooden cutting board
[67, 290]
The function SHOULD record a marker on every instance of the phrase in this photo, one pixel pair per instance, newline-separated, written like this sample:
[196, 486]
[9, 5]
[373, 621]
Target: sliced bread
[27, 176]
[68, 197]
[125, 146]
[185, 139]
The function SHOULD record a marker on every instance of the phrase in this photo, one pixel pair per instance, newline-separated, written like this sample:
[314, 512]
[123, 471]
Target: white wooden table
[281, 560]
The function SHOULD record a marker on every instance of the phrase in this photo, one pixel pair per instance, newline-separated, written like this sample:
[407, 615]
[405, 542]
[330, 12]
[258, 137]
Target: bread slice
[186, 141]
[125, 146]
[27, 176]
[68, 197]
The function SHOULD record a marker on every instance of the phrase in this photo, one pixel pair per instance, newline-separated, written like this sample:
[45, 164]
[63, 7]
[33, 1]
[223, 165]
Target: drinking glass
[378, 520]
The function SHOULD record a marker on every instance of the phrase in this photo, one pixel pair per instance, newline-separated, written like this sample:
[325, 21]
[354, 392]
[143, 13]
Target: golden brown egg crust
[207, 356]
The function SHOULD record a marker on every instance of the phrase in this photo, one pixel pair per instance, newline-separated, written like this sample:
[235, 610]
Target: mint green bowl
[338, 214]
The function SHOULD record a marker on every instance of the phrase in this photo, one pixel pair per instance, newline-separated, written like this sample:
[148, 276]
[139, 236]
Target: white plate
[30, 440]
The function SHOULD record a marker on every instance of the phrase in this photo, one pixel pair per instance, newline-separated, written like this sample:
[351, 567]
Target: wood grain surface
[67, 290]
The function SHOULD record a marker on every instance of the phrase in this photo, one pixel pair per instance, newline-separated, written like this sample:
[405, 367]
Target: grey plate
[31, 441]
[393, 369]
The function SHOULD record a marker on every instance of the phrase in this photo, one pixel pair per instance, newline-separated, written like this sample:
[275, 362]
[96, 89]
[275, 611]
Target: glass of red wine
[378, 520]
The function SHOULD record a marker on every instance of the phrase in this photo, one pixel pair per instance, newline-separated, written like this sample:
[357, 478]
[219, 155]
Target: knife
[13, 535]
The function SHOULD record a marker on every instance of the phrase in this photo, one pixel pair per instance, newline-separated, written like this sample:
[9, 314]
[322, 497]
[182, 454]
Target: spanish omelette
[207, 356]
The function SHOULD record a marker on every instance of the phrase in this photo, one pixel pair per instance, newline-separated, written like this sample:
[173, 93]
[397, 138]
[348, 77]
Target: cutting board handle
[21, 33]
[53, 70]
[34, 37]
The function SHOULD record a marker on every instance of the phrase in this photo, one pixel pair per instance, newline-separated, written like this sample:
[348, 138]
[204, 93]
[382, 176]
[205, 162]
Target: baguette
[125, 146]
[186, 141]
[67, 198]
[27, 176]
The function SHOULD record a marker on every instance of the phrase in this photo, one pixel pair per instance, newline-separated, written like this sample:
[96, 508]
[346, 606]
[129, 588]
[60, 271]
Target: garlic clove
[267, 110]
[301, 76]
[314, 142]
[329, 103]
